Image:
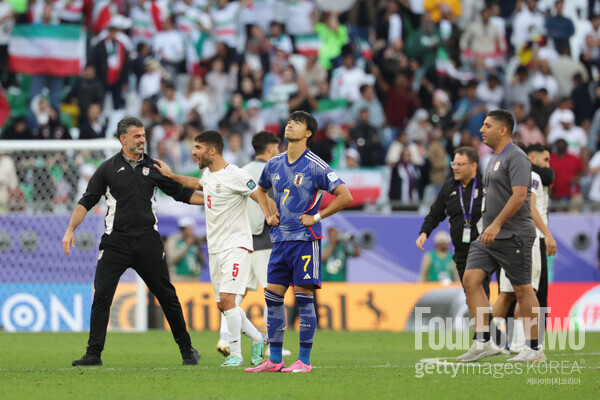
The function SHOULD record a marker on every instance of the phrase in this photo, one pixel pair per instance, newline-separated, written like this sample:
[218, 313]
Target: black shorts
[513, 255]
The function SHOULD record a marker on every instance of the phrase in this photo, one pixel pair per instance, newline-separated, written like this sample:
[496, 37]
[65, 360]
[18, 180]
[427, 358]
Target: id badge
[483, 204]
[466, 237]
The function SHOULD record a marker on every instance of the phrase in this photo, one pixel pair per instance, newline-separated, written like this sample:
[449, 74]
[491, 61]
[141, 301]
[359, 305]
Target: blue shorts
[295, 263]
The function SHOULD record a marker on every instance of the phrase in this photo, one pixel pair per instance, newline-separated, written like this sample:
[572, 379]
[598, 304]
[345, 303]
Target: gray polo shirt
[511, 168]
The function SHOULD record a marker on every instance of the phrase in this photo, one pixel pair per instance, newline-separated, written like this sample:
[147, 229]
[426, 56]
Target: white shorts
[536, 269]
[258, 272]
[229, 271]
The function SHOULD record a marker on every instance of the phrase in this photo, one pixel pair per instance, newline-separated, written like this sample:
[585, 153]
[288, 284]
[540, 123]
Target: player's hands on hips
[273, 220]
[68, 241]
[490, 233]
[421, 240]
[550, 245]
[162, 167]
[307, 220]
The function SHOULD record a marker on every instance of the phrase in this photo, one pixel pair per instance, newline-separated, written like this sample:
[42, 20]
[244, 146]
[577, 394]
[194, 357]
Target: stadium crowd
[393, 83]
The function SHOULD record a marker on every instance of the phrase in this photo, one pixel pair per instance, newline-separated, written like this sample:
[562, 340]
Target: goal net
[42, 289]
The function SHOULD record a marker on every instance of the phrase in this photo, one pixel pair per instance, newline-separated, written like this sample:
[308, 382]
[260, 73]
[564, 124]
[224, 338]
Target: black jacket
[130, 194]
[447, 203]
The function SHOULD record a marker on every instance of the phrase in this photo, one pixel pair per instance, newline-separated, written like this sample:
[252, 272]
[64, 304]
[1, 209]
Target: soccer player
[298, 178]
[228, 235]
[506, 241]
[266, 146]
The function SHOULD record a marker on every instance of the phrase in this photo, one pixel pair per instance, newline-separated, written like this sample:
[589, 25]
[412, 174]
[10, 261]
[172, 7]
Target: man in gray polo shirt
[506, 241]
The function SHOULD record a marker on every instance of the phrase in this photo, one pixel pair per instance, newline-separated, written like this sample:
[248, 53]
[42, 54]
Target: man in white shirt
[168, 46]
[347, 79]
[228, 235]
[574, 135]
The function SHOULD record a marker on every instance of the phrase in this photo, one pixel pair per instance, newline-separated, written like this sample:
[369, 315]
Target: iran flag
[57, 50]
[307, 44]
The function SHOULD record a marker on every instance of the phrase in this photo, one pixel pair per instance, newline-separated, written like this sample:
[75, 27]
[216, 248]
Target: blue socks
[308, 324]
[275, 324]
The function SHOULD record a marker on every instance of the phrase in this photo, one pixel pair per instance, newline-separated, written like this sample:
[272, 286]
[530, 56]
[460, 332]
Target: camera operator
[339, 247]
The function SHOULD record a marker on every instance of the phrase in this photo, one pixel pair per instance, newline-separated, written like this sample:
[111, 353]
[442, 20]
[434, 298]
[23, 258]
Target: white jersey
[541, 202]
[257, 218]
[227, 223]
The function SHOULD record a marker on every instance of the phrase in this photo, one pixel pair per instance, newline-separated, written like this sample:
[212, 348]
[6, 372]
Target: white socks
[518, 338]
[234, 323]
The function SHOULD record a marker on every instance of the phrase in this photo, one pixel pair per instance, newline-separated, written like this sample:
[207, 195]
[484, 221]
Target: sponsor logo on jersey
[496, 166]
[121, 169]
[145, 171]
[100, 254]
[298, 179]
[452, 194]
[218, 188]
[307, 276]
[332, 176]
[251, 185]
[476, 193]
[276, 177]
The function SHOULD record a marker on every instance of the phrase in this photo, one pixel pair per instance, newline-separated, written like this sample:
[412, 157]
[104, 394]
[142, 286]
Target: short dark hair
[309, 120]
[262, 139]
[520, 145]
[125, 123]
[535, 148]
[504, 117]
[211, 138]
[470, 152]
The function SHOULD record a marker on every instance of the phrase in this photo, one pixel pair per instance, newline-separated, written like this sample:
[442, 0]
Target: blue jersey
[298, 189]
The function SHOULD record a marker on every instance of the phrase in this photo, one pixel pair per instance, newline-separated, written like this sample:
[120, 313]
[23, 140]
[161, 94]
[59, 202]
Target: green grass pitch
[347, 365]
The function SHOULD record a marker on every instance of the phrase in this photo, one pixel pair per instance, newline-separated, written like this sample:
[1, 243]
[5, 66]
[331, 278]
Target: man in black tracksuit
[466, 184]
[129, 181]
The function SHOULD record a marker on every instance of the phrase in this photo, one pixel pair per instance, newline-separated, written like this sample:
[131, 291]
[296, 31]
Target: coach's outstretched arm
[187, 181]
[77, 217]
[342, 199]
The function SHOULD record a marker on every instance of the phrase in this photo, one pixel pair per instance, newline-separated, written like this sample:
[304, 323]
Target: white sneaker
[530, 355]
[517, 348]
[284, 352]
[223, 347]
[501, 350]
[478, 351]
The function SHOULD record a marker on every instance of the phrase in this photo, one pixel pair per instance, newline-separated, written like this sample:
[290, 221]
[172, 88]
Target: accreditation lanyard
[486, 177]
[466, 237]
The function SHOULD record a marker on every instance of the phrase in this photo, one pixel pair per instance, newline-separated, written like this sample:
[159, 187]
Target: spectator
[519, 89]
[87, 90]
[279, 39]
[6, 23]
[299, 17]
[424, 43]
[333, 36]
[234, 152]
[470, 111]
[559, 28]
[483, 43]
[302, 100]
[574, 136]
[529, 132]
[543, 78]
[581, 102]
[221, 85]
[565, 68]
[542, 108]
[405, 178]
[172, 105]
[168, 45]
[399, 100]
[346, 80]
[367, 141]
[368, 100]
[352, 157]
[419, 127]
[17, 130]
[150, 81]
[441, 113]
[110, 58]
[93, 128]
[53, 129]
[389, 24]
[198, 99]
[236, 118]
[185, 252]
[568, 169]
[526, 23]
[314, 73]
[491, 92]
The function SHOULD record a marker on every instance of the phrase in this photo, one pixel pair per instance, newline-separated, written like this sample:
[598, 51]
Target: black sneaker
[192, 357]
[87, 360]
